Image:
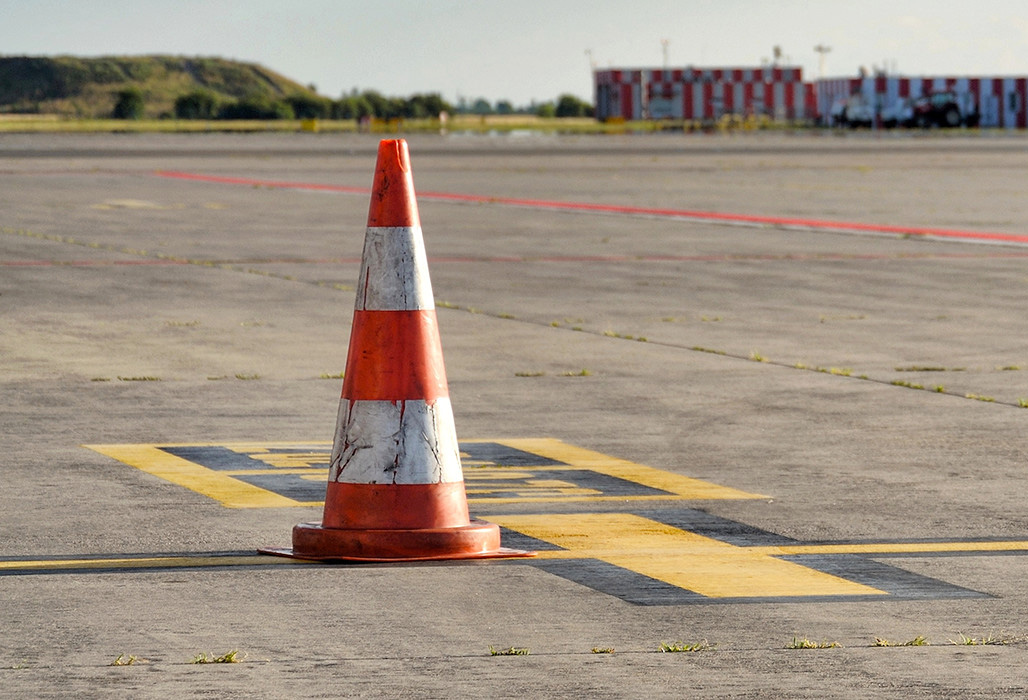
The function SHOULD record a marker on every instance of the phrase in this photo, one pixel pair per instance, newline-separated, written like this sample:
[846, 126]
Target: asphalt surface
[736, 436]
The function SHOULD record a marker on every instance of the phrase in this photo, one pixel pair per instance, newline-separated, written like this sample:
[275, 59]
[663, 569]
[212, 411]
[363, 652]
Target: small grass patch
[908, 385]
[248, 377]
[580, 373]
[530, 374]
[509, 651]
[100, 379]
[327, 375]
[127, 660]
[980, 641]
[698, 348]
[920, 641]
[757, 357]
[603, 650]
[139, 379]
[229, 657]
[980, 397]
[1011, 368]
[804, 643]
[181, 324]
[675, 647]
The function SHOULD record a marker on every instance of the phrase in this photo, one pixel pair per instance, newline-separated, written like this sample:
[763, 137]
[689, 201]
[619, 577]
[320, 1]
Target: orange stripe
[395, 506]
[392, 194]
[394, 356]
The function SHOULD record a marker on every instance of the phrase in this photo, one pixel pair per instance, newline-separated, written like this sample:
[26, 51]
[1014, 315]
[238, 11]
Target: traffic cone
[395, 485]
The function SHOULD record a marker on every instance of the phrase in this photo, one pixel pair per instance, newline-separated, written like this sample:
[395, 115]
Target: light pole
[821, 50]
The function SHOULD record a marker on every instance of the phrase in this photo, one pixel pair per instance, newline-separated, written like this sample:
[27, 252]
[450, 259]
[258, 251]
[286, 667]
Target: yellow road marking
[235, 493]
[232, 493]
[682, 487]
[143, 562]
[684, 559]
[892, 548]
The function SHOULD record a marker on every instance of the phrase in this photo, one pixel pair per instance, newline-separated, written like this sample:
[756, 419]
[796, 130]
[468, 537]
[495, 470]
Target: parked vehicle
[856, 111]
[945, 110]
[899, 113]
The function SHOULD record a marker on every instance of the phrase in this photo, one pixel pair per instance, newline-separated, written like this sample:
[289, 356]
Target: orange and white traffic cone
[395, 485]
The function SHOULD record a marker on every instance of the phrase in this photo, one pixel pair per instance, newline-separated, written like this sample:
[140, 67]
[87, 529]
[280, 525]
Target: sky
[526, 51]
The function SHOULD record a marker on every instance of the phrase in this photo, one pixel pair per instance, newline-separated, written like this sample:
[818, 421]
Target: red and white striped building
[779, 92]
[1000, 101]
[703, 93]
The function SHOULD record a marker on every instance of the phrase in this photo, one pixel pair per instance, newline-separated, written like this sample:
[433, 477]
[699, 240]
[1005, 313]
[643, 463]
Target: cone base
[478, 540]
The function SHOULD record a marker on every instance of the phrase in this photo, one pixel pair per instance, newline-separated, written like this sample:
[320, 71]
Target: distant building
[780, 94]
[703, 94]
[999, 101]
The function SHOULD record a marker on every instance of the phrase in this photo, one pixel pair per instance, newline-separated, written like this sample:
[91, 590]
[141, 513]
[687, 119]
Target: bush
[309, 106]
[571, 106]
[130, 104]
[199, 104]
[256, 107]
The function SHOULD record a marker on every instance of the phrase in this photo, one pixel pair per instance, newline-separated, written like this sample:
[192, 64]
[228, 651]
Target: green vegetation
[229, 657]
[667, 647]
[510, 651]
[919, 641]
[805, 643]
[132, 88]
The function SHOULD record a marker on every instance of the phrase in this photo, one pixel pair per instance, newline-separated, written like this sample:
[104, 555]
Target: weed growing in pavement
[698, 348]
[980, 641]
[919, 641]
[582, 373]
[139, 379]
[979, 397]
[509, 651]
[603, 650]
[686, 646]
[326, 375]
[229, 657]
[248, 377]
[127, 660]
[805, 643]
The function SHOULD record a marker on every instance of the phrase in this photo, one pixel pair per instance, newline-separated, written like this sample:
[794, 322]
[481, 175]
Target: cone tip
[393, 153]
[392, 197]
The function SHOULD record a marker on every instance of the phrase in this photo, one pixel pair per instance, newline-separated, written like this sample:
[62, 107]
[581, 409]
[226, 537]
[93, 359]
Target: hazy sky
[525, 50]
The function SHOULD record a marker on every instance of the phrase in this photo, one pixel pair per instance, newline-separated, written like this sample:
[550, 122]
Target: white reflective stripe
[394, 271]
[401, 442]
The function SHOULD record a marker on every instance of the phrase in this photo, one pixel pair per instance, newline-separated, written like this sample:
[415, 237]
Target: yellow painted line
[143, 562]
[232, 493]
[892, 548]
[684, 559]
[682, 487]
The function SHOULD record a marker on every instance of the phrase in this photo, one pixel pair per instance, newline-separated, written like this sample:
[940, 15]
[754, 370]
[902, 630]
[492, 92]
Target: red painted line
[685, 214]
[87, 263]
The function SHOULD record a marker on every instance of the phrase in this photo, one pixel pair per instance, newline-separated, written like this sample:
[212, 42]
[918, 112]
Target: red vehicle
[944, 110]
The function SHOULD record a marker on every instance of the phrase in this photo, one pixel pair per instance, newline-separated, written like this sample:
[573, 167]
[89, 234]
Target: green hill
[89, 87]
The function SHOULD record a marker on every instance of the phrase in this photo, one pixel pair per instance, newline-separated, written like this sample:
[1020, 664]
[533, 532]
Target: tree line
[205, 104]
